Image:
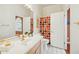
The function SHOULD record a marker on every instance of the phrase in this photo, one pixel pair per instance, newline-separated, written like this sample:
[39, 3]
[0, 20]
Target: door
[57, 30]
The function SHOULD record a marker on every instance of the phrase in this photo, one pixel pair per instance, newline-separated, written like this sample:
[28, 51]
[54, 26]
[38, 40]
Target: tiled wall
[45, 27]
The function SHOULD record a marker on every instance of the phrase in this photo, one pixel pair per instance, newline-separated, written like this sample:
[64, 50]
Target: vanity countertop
[20, 47]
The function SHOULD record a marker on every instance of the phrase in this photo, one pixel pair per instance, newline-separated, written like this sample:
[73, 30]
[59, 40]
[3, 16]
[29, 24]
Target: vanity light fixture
[29, 6]
[77, 22]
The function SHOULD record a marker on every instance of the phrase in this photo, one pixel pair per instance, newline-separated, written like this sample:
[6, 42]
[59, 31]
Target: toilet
[44, 47]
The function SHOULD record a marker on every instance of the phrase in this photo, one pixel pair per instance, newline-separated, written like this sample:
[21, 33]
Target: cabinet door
[36, 49]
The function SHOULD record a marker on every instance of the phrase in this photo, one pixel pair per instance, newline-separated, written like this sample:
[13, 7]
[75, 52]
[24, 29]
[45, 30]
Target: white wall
[7, 17]
[47, 10]
[37, 12]
[74, 29]
[37, 9]
[26, 24]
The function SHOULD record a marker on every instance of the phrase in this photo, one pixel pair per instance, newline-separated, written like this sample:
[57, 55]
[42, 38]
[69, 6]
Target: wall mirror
[19, 25]
[24, 23]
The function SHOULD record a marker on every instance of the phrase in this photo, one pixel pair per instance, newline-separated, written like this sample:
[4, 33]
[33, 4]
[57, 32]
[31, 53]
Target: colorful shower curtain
[45, 27]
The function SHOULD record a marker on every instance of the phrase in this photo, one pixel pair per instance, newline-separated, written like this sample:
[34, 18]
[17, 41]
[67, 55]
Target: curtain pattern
[45, 27]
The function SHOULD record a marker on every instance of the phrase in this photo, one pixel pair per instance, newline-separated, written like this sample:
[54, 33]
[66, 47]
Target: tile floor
[53, 50]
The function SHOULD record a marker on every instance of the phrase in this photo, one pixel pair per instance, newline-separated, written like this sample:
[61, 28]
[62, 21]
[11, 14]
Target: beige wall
[7, 18]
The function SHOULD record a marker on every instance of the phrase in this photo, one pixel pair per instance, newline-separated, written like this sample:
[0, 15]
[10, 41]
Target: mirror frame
[19, 32]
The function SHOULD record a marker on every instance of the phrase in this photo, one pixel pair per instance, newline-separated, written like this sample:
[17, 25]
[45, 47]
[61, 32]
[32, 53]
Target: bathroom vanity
[36, 49]
[31, 46]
